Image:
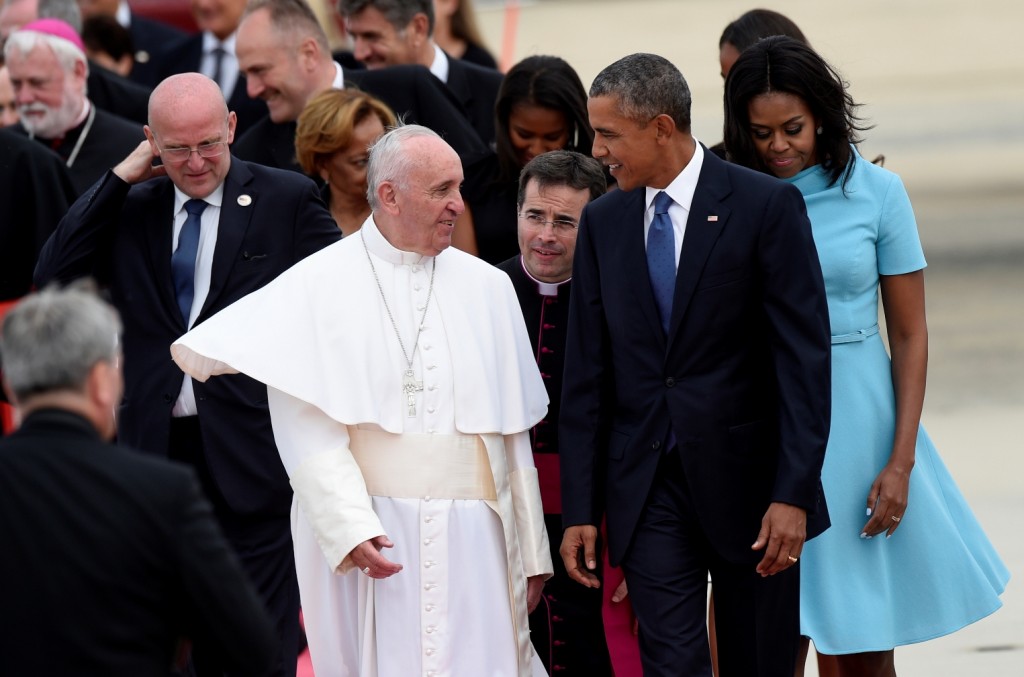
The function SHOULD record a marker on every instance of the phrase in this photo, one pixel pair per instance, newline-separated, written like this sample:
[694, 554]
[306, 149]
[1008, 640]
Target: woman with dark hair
[748, 29]
[541, 106]
[789, 114]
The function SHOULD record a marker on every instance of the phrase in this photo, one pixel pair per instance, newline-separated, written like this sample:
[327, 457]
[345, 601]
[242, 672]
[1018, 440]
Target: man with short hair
[175, 243]
[283, 51]
[402, 394]
[110, 557]
[695, 404]
[394, 32]
[48, 69]
[554, 188]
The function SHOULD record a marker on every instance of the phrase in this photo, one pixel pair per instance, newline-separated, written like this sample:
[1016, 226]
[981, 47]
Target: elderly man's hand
[367, 557]
[138, 166]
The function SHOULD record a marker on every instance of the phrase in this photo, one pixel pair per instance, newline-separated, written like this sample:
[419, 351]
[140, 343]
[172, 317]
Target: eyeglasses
[182, 154]
[560, 226]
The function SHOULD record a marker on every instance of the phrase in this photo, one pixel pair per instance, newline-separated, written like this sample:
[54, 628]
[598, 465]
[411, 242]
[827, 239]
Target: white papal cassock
[320, 338]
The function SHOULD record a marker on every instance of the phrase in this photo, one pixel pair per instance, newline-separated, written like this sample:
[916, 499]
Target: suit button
[670, 382]
[656, 445]
[168, 397]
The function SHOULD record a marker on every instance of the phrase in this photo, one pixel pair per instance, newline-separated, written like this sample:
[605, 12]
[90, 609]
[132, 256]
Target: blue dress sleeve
[899, 245]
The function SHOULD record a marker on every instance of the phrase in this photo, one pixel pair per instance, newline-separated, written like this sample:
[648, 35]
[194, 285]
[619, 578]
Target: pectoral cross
[410, 386]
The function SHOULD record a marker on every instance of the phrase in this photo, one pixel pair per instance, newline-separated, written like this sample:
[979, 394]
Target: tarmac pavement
[943, 83]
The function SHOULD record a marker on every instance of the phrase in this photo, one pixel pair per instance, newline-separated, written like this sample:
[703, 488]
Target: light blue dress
[938, 572]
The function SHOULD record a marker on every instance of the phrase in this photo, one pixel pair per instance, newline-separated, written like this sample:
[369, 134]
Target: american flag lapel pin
[713, 218]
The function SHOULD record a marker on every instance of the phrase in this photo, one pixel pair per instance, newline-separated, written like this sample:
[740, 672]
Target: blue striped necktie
[661, 257]
[183, 261]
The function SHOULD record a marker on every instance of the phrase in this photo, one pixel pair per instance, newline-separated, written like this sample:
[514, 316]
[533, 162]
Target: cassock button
[670, 382]
[430, 410]
[416, 287]
[430, 629]
[430, 652]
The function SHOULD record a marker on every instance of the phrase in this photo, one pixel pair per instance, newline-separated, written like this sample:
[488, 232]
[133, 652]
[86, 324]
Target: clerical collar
[381, 248]
[544, 288]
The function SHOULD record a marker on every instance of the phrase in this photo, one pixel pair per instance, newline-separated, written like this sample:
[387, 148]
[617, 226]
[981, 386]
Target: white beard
[54, 121]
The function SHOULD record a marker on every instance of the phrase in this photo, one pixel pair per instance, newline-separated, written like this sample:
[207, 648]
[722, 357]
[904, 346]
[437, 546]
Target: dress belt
[420, 465]
[855, 336]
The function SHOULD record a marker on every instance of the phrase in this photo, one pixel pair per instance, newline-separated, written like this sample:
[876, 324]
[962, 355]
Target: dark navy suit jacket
[122, 235]
[742, 380]
[476, 88]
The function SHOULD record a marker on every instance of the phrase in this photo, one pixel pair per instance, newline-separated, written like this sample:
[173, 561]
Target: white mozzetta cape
[320, 335]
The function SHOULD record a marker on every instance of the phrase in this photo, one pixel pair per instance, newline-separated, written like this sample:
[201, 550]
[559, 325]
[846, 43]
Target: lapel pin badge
[244, 200]
[712, 218]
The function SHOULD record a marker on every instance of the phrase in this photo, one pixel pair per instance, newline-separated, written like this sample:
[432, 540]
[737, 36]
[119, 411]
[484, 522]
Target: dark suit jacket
[35, 191]
[476, 88]
[110, 557]
[412, 92]
[118, 95]
[109, 140]
[121, 235]
[186, 55]
[151, 40]
[742, 380]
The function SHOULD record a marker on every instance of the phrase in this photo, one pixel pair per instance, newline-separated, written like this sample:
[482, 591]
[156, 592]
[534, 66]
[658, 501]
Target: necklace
[410, 386]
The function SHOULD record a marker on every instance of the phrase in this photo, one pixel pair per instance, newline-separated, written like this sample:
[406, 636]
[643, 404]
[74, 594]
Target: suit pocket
[723, 278]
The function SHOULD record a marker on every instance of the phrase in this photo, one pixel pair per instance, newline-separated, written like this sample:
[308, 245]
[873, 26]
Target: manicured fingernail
[869, 512]
[863, 534]
[888, 535]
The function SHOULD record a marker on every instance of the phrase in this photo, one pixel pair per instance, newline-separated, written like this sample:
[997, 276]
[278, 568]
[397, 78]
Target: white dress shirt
[681, 191]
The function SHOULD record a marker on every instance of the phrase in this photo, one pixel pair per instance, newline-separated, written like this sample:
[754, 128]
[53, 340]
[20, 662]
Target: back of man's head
[645, 86]
[563, 168]
[52, 339]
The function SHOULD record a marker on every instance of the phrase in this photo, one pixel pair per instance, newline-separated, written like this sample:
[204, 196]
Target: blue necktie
[183, 261]
[661, 257]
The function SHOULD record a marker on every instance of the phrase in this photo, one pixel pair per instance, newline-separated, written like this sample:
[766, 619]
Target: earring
[819, 130]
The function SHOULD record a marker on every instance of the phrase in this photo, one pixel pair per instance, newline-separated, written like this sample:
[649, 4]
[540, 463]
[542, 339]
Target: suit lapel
[634, 257]
[158, 247]
[704, 224]
[234, 222]
[458, 83]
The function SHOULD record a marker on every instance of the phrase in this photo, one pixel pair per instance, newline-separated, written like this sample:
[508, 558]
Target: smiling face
[276, 70]
[48, 98]
[631, 152]
[534, 130]
[426, 201]
[782, 128]
[377, 43]
[547, 251]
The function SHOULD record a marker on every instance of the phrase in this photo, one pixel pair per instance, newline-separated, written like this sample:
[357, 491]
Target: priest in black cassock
[566, 627]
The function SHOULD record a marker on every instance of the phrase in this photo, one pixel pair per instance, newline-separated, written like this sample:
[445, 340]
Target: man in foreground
[110, 557]
[695, 406]
[401, 394]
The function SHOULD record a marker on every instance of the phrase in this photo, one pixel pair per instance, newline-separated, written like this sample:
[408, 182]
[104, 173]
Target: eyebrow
[795, 118]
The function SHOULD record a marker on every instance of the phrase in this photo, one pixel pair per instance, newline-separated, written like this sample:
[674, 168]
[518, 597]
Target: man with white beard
[48, 70]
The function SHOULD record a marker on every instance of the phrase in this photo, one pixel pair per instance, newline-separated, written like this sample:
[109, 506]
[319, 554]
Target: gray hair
[398, 13]
[563, 168]
[291, 16]
[388, 160]
[25, 41]
[646, 86]
[65, 10]
[53, 338]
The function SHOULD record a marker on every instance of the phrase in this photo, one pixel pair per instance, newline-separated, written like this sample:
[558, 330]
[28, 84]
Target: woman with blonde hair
[332, 141]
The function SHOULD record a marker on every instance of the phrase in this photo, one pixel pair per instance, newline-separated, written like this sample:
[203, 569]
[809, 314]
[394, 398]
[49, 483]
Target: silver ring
[793, 560]
[366, 570]
[895, 518]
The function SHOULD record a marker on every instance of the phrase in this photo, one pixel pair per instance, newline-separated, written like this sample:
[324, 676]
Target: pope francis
[402, 387]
